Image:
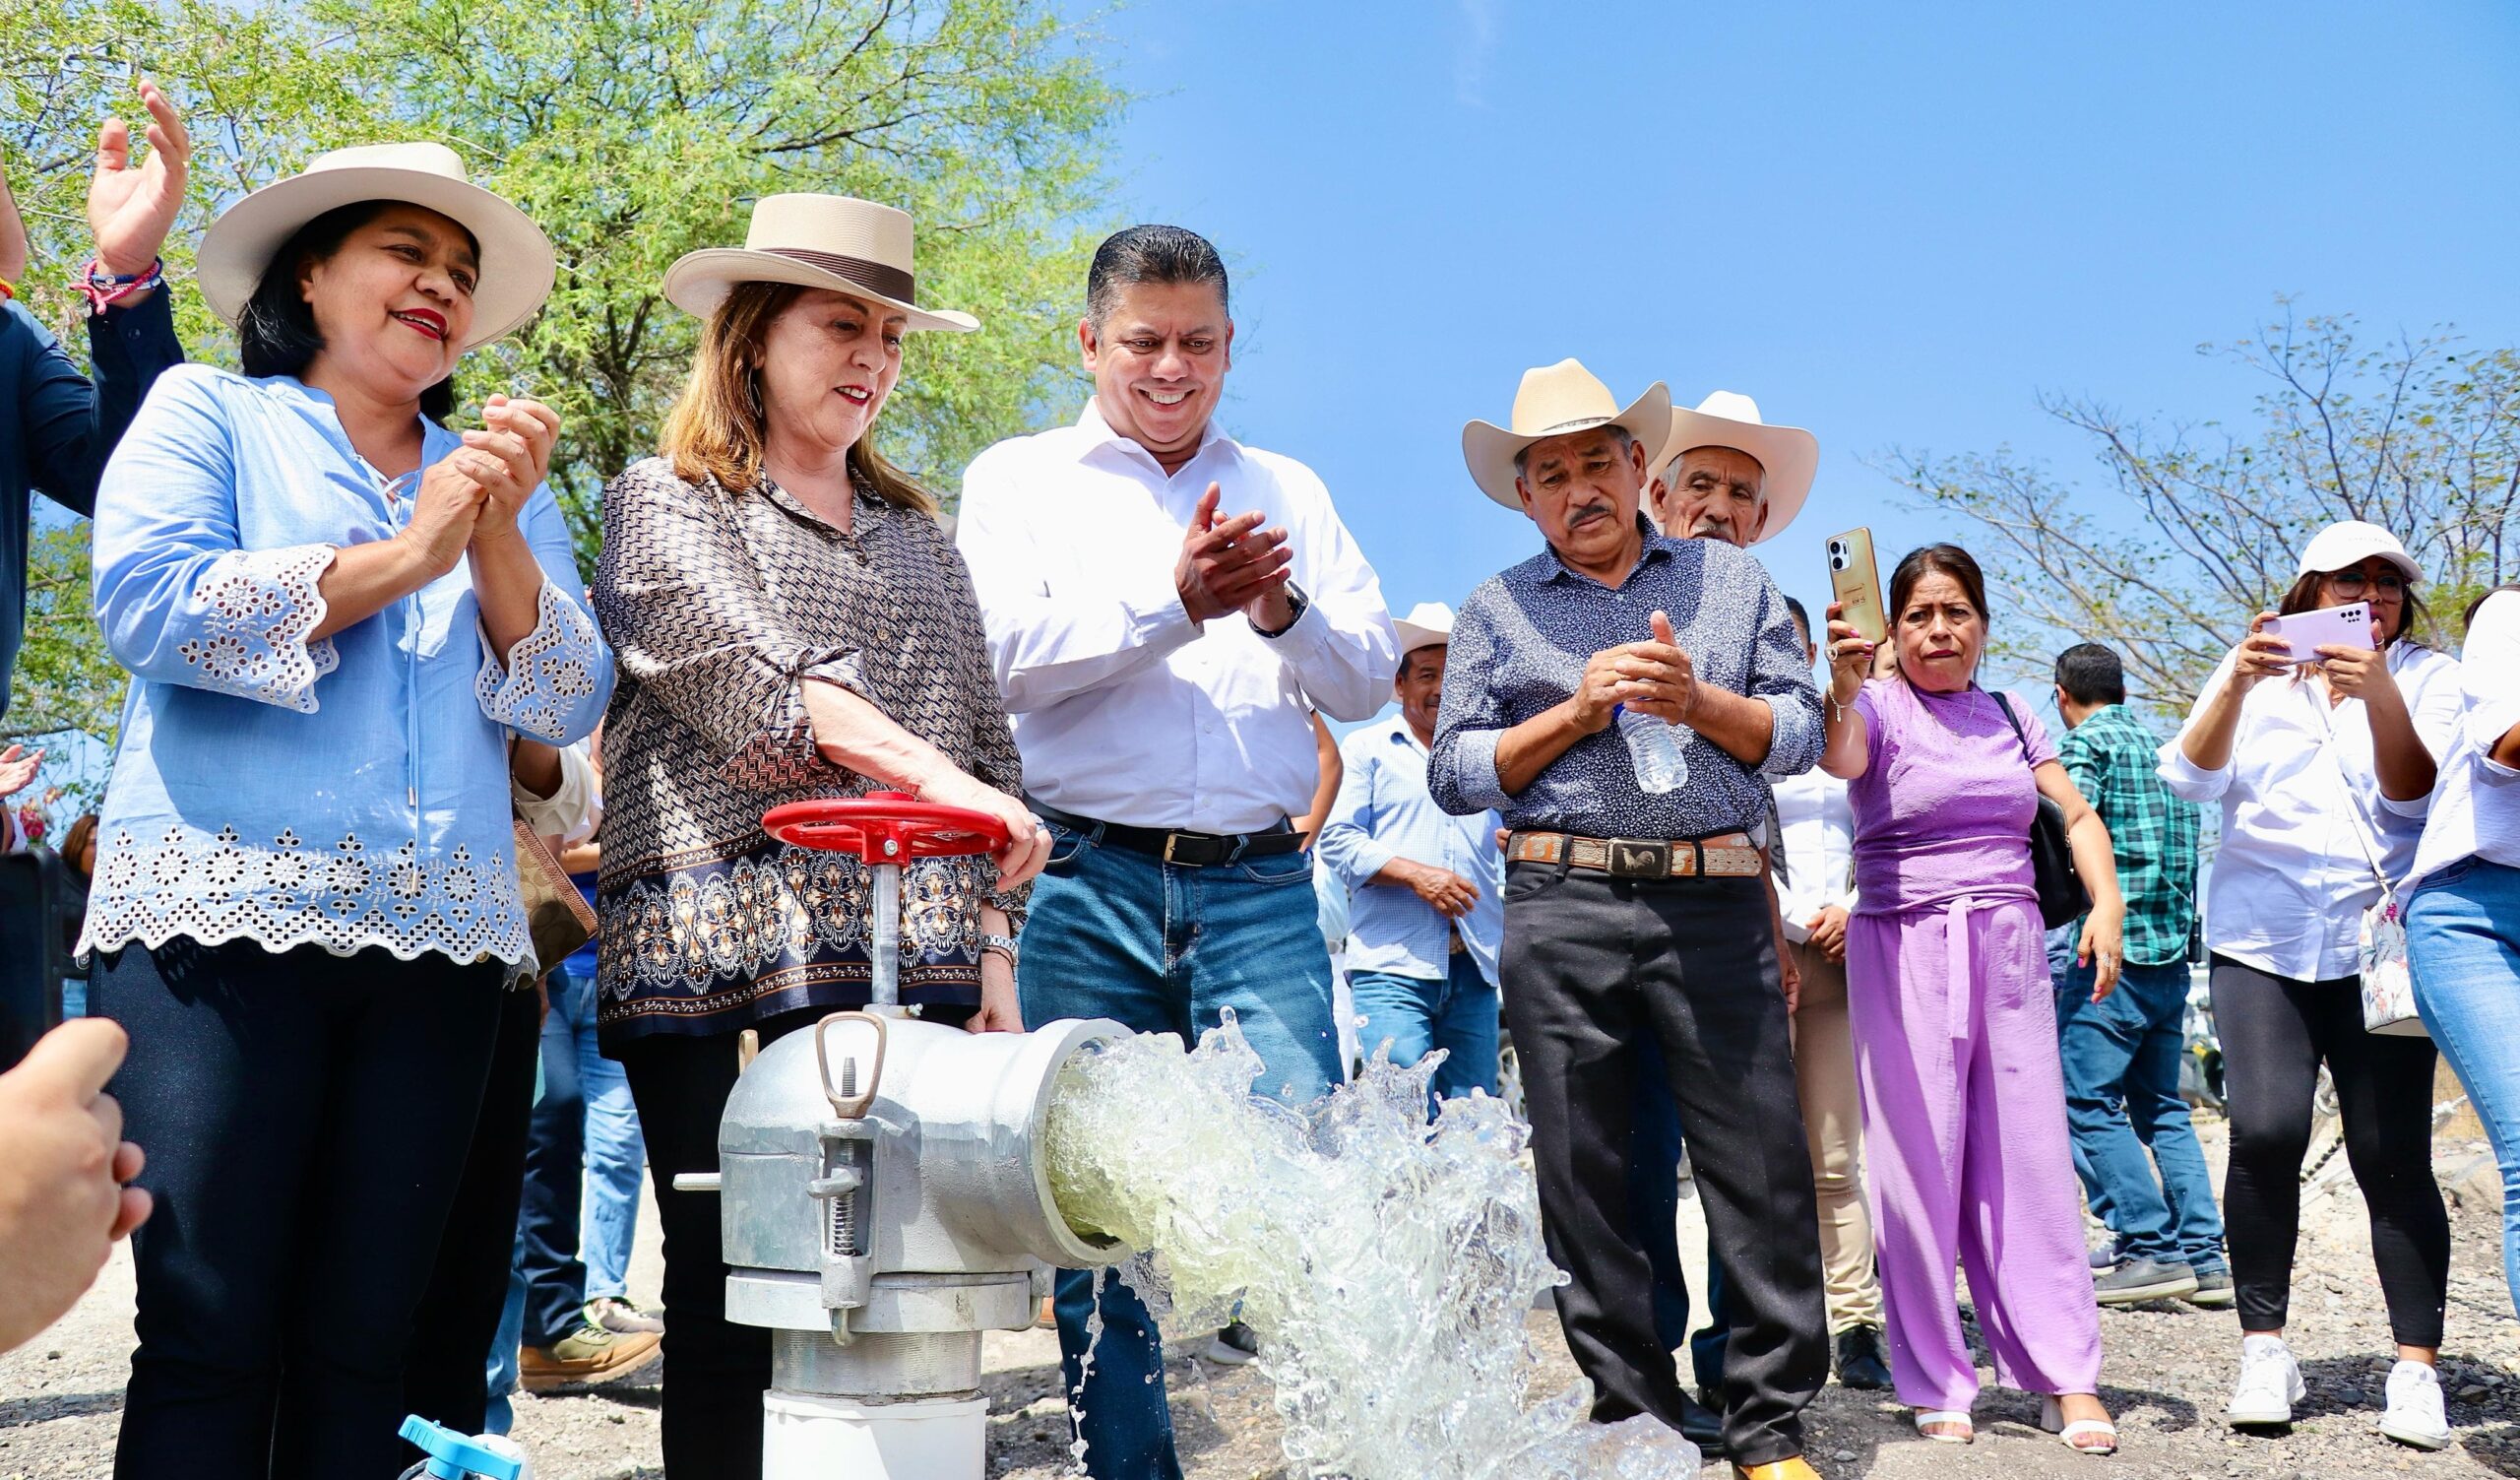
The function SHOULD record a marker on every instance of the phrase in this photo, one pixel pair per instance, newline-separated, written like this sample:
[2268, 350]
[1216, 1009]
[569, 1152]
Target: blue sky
[1894, 225]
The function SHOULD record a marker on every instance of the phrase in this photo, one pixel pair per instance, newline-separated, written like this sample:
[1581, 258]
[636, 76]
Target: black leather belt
[1194, 850]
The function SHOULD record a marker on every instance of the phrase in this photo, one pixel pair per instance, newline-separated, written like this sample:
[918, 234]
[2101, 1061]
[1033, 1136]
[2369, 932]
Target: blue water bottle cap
[452, 1457]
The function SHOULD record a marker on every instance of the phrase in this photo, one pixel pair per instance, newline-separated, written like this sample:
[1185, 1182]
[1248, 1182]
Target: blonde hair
[715, 429]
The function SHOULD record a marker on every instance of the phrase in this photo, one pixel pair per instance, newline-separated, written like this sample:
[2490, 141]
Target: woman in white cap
[792, 625]
[2324, 770]
[306, 907]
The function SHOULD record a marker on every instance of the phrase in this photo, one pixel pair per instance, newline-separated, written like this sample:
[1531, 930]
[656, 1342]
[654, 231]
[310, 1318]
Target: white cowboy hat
[518, 264]
[1728, 419]
[833, 241]
[1428, 624]
[1551, 402]
[2350, 542]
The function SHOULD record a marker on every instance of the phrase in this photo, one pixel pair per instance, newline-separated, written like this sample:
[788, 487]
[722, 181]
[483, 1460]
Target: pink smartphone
[2346, 626]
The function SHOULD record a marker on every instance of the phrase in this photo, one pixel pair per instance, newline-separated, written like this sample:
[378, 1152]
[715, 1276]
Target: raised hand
[2261, 653]
[12, 233]
[509, 457]
[18, 767]
[130, 208]
[1850, 655]
[1230, 565]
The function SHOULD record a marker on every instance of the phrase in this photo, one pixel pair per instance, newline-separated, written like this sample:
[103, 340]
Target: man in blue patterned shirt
[1632, 909]
[2121, 1054]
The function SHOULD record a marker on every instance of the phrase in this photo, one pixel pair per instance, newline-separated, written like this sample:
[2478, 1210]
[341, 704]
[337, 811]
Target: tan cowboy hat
[517, 261]
[833, 241]
[1428, 624]
[1551, 402]
[1728, 419]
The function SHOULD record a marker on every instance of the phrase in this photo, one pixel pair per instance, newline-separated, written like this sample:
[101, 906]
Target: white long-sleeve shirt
[2290, 879]
[1124, 709]
[2476, 807]
[1818, 825]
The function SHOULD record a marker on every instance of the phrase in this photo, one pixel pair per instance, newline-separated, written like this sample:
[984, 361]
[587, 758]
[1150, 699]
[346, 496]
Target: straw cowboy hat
[1551, 402]
[1428, 624]
[1729, 418]
[833, 241]
[518, 264]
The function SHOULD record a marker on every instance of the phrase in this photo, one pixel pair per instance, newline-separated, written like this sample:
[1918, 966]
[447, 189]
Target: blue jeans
[1166, 948]
[2463, 943]
[2121, 1057]
[1654, 1203]
[1416, 1016]
[582, 1162]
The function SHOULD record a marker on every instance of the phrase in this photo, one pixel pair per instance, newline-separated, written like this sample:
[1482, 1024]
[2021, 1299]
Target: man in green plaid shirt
[2122, 1055]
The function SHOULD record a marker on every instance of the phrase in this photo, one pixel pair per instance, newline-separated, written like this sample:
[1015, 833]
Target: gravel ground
[2167, 1373]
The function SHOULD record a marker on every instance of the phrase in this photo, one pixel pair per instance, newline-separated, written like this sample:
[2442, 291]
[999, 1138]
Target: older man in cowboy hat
[1725, 473]
[1626, 905]
[1425, 919]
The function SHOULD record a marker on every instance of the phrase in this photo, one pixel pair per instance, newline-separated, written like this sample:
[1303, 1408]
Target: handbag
[2062, 899]
[2388, 986]
[556, 916]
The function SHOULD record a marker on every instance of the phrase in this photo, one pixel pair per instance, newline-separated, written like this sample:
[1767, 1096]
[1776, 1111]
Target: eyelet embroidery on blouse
[552, 665]
[692, 929]
[260, 606]
[216, 887]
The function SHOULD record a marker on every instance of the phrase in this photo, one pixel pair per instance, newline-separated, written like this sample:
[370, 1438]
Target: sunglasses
[2353, 583]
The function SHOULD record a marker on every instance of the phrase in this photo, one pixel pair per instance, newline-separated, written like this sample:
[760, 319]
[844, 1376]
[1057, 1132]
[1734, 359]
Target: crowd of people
[1794, 929]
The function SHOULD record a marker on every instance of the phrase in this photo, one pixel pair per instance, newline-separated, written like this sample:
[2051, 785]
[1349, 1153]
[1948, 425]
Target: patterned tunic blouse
[719, 605]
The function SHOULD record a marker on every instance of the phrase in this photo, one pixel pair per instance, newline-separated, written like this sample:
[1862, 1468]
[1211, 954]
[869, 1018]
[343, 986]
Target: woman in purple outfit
[1955, 1023]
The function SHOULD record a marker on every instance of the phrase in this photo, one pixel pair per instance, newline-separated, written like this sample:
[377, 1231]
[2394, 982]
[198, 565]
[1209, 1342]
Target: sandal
[1929, 1419]
[2052, 1418]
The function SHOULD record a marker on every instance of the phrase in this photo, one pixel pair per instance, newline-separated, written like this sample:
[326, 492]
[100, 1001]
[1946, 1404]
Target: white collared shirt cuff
[1156, 616]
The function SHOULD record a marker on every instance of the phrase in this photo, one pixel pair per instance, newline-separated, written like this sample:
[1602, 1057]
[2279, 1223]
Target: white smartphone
[2346, 626]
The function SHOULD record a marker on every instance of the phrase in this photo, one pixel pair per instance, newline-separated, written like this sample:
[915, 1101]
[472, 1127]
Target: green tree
[633, 131]
[2421, 435]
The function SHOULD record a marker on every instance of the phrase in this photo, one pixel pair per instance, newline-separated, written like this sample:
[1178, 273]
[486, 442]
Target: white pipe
[809, 1437]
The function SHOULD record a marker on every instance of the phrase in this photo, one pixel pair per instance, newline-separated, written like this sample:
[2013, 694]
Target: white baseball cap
[2350, 542]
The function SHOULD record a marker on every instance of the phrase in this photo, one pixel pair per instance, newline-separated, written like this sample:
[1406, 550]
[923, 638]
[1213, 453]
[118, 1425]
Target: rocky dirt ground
[2168, 1370]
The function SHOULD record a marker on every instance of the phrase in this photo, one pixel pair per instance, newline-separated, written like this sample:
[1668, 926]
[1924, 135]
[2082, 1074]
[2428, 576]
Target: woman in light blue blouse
[336, 612]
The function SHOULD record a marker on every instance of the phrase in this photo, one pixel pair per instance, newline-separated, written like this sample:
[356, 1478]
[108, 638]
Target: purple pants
[1964, 1127]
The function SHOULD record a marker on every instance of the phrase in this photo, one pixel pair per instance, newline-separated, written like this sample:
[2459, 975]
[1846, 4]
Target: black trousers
[307, 1118]
[1592, 965]
[2275, 1034]
[445, 1377]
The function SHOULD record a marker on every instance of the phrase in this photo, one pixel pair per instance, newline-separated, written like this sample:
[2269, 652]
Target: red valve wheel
[885, 827]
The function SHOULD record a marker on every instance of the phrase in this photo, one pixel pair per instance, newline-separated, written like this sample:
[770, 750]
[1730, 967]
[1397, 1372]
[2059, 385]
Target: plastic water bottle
[1654, 746]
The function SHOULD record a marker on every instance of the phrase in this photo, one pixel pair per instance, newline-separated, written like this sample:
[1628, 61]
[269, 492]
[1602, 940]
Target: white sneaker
[2415, 1415]
[2269, 1383]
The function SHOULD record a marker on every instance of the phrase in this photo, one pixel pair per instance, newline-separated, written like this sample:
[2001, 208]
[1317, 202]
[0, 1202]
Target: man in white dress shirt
[1164, 609]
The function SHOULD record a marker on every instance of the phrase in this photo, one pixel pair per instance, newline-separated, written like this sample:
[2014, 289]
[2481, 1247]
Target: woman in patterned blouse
[791, 623]
[336, 611]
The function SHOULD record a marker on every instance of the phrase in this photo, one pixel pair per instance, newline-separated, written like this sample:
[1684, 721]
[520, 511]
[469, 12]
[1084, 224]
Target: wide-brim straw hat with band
[1789, 454]
[1428, 624]
[518, 265]
[1551, 402]
[830, 242]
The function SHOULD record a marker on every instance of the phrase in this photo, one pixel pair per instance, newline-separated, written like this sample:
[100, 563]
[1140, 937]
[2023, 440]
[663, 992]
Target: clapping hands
[131, 207]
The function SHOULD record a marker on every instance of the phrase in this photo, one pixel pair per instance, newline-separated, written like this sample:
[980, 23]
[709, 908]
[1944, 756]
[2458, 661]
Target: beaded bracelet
[103, 289]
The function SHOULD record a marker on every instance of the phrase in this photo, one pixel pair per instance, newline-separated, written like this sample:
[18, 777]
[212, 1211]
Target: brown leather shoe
[588, 1355]
[1795, 1468]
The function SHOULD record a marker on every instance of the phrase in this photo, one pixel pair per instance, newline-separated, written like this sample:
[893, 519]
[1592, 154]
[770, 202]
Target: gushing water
[1386, 1266]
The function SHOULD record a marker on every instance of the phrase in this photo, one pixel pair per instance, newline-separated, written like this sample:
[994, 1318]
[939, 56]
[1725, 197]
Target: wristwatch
[1004, 945]
[1296, 602]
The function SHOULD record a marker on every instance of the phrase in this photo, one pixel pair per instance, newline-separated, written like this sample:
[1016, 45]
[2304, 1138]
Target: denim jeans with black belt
[1168, 948]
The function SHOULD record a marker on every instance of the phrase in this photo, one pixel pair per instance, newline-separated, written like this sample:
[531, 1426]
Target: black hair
[1938, 560]
[2091, 673]
[1801, 618]
[1149, 254]
[276, 335]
